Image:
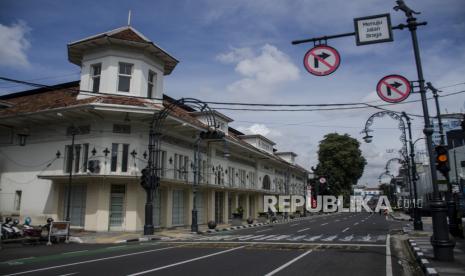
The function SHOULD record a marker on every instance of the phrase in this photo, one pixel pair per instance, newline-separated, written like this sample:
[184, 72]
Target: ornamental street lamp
[404, 152]
[443, 246]
[405, 166]
[150, 178]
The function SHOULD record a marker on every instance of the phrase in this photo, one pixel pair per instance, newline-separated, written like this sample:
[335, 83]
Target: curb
[425, 265]
[143, 239]
[251, 225]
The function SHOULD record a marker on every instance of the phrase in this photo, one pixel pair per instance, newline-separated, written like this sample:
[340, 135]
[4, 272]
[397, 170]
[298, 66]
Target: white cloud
[260, 129]
[261, 73]
[14, 45]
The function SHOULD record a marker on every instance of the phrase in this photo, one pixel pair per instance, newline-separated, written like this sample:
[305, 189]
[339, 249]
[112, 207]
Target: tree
[341, 162]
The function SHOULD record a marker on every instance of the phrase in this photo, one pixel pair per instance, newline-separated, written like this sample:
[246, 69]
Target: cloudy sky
[240, 51]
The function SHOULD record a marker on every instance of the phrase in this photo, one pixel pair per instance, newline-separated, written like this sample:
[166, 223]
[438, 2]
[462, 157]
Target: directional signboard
[373, 29]
[393, 88]
[322, 60]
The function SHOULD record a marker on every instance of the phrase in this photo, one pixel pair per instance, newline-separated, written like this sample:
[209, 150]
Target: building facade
[91, 136]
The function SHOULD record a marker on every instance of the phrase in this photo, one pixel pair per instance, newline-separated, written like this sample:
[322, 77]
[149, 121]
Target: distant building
[449, 122]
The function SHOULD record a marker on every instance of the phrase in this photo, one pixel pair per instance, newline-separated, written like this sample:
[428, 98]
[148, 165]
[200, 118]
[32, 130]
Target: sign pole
[443, 246]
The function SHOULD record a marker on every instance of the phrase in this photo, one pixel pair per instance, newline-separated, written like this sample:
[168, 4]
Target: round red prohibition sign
[393, 88]
[322, 60]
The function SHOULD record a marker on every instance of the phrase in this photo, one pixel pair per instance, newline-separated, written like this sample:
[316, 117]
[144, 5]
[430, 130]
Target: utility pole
[455, 222]
[443, 246]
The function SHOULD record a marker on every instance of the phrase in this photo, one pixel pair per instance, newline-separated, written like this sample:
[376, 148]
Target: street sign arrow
[322, 56]
[395, 85]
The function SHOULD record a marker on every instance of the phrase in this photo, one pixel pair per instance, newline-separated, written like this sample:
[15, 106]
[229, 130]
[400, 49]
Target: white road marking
[356, 223]
[324, 223]
[381, 238]
[345, 229]
[337, 220]
[366, 238]
[265, 237]
[330, 238]
[292, 225]
[264, 230]
[69, 274]
[313, 238]
[250, 238]
[288, 263]
[297, 238]
[278, 238]
[304, 229]
[186, 261]
[92, 261]
[348, 238]
[388, 256]
[283, 243]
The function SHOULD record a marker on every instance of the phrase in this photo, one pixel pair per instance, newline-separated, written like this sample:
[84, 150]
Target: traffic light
[145, 178]
[442, 160]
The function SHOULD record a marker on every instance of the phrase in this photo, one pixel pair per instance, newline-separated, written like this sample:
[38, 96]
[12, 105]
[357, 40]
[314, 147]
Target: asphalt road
[336, 244]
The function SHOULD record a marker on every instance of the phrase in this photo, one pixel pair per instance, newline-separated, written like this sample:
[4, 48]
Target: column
[211, 205]
[167, 208]
[246, 206]
[225, 207]
[190, 206]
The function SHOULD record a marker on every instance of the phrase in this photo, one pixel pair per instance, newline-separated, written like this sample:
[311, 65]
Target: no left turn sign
[322, 60]
[393, 88]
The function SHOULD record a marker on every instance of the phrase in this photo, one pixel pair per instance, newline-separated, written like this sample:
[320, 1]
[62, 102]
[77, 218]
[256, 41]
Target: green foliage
[341, 162]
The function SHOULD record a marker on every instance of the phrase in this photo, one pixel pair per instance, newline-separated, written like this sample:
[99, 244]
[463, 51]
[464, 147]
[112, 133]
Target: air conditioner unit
[93, 166]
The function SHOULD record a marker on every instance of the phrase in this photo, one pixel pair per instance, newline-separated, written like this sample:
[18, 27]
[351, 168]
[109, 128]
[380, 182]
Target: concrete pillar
[260, 202]
[131, 208]
[225, 207]
[167, 208]
[235, 202]
[210, 205]
[190, 205]
[246, 206]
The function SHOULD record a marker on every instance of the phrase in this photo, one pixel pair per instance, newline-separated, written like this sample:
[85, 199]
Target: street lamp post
[417, 223]
[455, 223]
[443, 246]
[403, 138]
[150, 179]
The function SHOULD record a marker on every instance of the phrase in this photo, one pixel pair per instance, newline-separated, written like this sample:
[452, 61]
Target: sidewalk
[421, 247]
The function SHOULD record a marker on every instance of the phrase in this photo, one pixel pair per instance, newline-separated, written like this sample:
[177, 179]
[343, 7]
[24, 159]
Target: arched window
[266, 183]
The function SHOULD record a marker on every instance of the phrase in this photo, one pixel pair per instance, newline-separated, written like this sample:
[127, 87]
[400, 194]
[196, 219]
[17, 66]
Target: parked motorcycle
[7, 230]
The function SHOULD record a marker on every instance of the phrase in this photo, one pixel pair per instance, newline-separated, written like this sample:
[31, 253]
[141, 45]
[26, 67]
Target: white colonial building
[110, 110]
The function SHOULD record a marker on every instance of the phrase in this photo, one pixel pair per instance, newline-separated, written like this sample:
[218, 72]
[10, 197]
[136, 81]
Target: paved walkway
[423, 250]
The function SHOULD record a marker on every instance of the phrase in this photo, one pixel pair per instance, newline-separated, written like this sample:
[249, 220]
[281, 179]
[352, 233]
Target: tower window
[151, 83]
[124, 76]
[96, 71]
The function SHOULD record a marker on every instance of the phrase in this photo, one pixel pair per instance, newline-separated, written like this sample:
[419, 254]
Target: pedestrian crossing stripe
[292, 238]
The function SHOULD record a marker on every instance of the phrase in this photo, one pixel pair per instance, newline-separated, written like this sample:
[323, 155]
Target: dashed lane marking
[324, 223]
[264, 230]
[288, 263]
[345, 229]
[304, 229]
